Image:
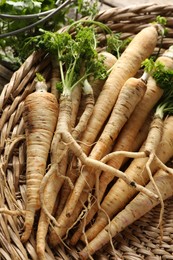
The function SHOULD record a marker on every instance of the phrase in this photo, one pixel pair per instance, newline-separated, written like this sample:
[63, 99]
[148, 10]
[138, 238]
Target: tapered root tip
[29, 221]
[83, 255]
[26, 235]
[54, 240]
[40, 253]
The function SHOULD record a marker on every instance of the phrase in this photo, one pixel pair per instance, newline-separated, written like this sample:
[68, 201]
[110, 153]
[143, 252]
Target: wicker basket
[140, 240]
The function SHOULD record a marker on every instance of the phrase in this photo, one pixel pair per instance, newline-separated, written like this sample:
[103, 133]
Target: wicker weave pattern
[140, 240]
[131, 20]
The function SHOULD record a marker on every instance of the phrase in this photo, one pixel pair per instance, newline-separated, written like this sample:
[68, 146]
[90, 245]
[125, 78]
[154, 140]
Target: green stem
[81, 80]
[61, 72]
[160, 111]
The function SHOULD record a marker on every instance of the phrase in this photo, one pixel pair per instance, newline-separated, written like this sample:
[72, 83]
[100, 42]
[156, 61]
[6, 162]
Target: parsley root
[130, 213]
[120, 194]
[40, 117]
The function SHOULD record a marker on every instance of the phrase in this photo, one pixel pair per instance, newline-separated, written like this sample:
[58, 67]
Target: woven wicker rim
[140, 240]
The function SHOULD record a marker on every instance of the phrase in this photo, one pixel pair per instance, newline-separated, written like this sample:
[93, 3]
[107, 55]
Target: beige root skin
[138, 166]
[40, 116]
[87, 161]
[59, 149]
[81, 126]
[72, 174]
[50, 186]
[12, 212]
[100, 112]
[132, 59]
[128, 135]
[131, 93]
[76, 132]
[133, 70]
[95, 207]
[64, 218]
[133, 90]
[132, 212]
[53, 179]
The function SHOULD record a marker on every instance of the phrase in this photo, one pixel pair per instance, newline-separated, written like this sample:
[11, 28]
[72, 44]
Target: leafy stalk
[18, 19]
[165, 107]
[164, 79]
[162, 75]
[73, 53]
[116, 45]
[40, 77]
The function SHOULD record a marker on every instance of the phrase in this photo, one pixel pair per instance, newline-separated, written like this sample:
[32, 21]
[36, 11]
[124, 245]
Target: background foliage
[16, 15]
